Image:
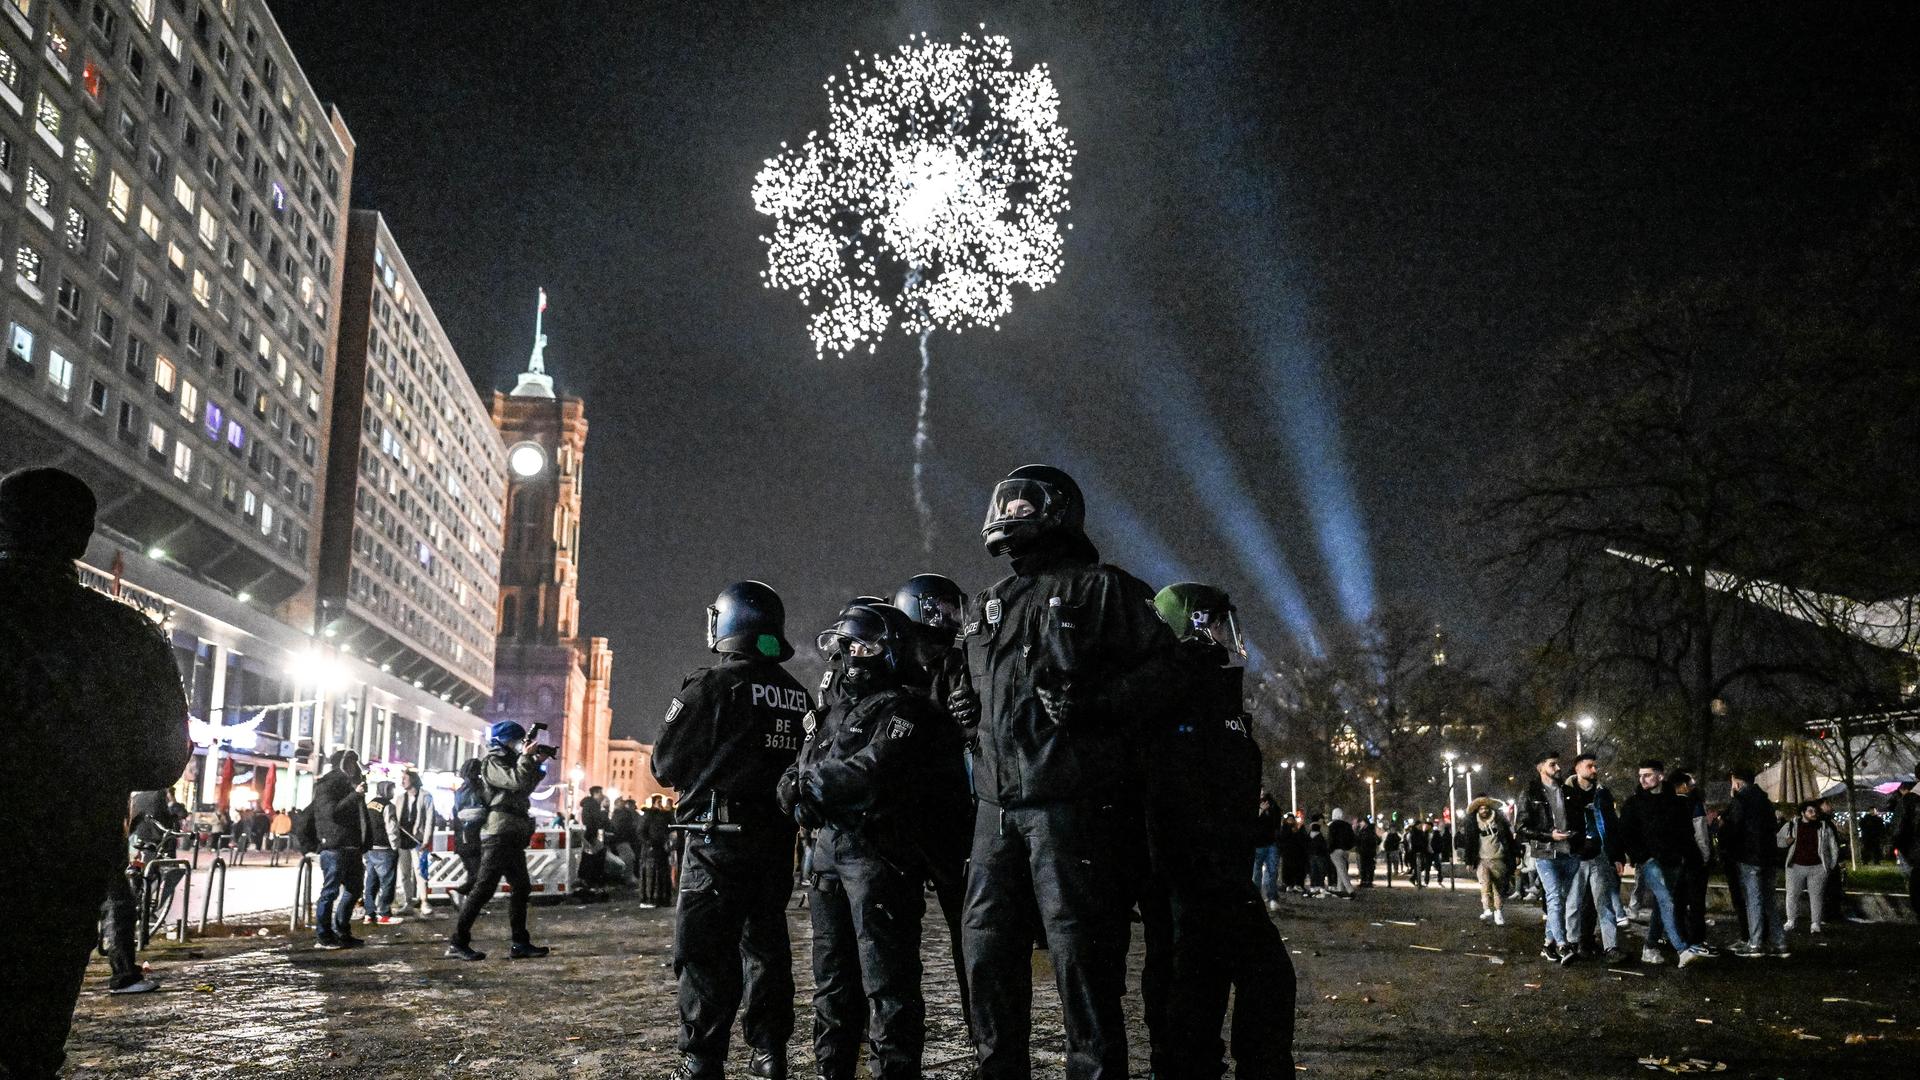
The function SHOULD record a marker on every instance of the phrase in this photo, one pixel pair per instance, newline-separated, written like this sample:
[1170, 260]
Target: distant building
[410, 566]
[173, 228]
[544, 672]
[630, 769]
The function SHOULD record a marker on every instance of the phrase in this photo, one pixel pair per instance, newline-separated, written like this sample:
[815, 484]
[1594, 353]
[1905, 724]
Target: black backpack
[306, 834]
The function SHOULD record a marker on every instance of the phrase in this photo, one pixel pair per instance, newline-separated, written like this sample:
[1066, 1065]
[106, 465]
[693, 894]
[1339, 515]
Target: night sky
[1316, 249]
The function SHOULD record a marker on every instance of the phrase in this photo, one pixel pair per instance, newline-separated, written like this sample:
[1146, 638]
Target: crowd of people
[980, 755]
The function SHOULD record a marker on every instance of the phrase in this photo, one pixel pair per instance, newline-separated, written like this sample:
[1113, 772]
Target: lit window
[9, 70]
[48, 115]
[279, 197]
[59, 48]
[189, 401]
[209, 228]
[143, 10]
[20, 342]
[156, 437]
[183, 192]
[39, 188]
[119, 195]
[86, 160]
[165, 375]
[249, 505]
[26, 263]
[60, 374]
[149, 222]
[214, 418]
[236, 435]
[266, 518]
[77, 230]
[170, 38]
[90, 77]
[247, 273]
[182, 462]
[177, 256]
[201, 289]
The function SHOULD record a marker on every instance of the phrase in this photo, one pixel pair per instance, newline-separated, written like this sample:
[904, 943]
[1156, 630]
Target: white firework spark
[937, 187]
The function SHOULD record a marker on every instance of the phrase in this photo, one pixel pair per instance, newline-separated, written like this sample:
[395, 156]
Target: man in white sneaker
[1656, 827]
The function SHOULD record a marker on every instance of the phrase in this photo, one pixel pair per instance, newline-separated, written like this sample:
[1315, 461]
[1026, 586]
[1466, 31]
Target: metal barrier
[553, 864]
[154, 882]
[302, 893]
[217, 869]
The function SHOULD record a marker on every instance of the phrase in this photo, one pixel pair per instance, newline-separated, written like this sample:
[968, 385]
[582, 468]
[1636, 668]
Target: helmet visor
[713, 626]
[835, 641]
[1222, 628]
[940, 612]
[1019, 500]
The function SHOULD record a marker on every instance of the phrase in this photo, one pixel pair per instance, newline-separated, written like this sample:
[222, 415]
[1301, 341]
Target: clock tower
[544, 671]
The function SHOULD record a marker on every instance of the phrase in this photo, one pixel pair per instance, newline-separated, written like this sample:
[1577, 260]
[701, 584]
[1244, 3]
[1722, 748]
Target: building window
[119, 195]
[26, 263]
[86, 160]
[60, 374]
[143, 10]
[213, 419]
[97, 397]
[67, 299]
[6, 157]
[104, 327]
[209, 228]
[166, 377]
[48, 116]
[170, 38]
[189, 401]
[20, 343]
[156, 439]
[177, 256]
[76, 231]
[149, 223]
[39, 188]
[182, 462]
[9, 70]
[201, 289]
[236, 436]
[183, 193]
[136, 356]
[129, 421]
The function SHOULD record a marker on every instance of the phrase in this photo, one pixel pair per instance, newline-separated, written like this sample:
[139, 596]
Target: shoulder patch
[809, 722]
[673, 710]
[900, 728]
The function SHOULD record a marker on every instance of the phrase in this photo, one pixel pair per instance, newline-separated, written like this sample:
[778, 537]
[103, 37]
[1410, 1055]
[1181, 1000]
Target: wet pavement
[1400, 983]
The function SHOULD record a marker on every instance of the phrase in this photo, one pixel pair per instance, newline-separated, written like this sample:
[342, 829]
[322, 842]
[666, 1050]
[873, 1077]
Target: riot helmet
[1195, 612]
[861, 647]
[1033, 502]
[748, 618]
[934, 601]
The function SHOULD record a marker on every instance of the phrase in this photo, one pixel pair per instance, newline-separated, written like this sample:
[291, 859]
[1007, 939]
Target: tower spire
[535, 382]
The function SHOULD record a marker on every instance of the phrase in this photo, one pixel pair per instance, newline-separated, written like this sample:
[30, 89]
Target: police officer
[93, 681]
[936, 609]
[728, 737]
[859, 781]
[509, 774]
[1203, 798]
[1073, 659]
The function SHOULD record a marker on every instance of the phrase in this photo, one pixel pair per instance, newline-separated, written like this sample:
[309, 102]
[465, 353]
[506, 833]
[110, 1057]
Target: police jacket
[510, 778]
[1657, 825]
[1203, 767]
[340, 811]
[870, 767]
[729, 734]
[93, 681]
[1747, 835]
[1108, 651]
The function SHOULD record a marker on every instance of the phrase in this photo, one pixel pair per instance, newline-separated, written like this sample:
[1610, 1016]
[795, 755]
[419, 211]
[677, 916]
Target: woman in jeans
[1812, 851]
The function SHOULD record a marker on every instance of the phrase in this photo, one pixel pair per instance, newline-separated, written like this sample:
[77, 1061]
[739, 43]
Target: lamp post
[1293, 785]
[1582, 724]
[1373, 810]
[1452, 818]
[1468, 771]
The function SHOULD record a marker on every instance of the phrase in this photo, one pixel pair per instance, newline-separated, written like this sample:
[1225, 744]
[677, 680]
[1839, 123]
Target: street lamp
[1582, 724]
[1468, 771]
[1293, 785]
[1453, 817]
[1373, 810]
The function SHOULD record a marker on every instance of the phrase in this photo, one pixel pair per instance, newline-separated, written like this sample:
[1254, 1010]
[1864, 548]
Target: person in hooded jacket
[871, 748]
[1203, 798]
[94, 681]
[510, 772]
[1072, 661]
[727, 740]
[469, 814]
[339, 811]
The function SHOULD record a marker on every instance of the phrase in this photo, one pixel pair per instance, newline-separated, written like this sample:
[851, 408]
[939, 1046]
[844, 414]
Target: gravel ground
[1399, 983]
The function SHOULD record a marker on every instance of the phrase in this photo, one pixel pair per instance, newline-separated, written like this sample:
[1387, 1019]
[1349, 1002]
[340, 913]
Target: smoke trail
[923, 438]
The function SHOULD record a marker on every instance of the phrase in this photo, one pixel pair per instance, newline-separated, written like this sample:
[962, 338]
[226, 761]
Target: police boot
[768, 1064]
[692, 1068]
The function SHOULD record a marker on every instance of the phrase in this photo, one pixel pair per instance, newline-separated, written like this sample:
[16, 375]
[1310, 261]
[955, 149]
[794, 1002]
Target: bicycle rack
[217, 869]
[154, 880]
[302, 893]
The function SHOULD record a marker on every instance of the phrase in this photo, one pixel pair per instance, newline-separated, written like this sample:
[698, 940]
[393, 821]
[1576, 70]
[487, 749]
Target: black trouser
[866, 963]
[730, 940]
[1690, 899]
[655, 877]
[1150, 896]
[1913, 885]
[949, 881]
[122, 912]
[1730, 869]
[1062, 861]
[53, 928]
[1224, 941]
[500, 857]
[1367, 862]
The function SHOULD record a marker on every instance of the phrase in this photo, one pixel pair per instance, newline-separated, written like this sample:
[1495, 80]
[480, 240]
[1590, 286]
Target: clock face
[527, 460]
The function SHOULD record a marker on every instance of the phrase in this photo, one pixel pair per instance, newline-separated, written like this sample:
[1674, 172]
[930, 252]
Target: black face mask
[860, 676]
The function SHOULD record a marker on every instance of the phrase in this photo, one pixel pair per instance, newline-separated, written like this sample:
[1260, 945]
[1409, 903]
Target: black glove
[1062, 705]
[964, 706]
[787, 794]
[807, 813]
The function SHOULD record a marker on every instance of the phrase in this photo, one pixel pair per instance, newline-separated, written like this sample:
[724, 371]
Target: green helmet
[1195, 610]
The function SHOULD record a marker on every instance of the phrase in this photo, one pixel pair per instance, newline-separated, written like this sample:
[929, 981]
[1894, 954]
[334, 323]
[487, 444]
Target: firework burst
[937, 187]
